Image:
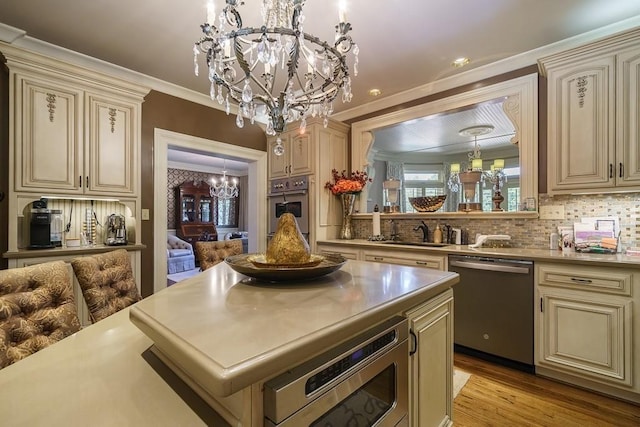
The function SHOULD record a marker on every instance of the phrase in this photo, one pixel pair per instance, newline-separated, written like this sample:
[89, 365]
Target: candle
[342, 11]
[376, 221]
[267, 68]
[455, 167]
[211, 12]
[227, 48]
[310, 63]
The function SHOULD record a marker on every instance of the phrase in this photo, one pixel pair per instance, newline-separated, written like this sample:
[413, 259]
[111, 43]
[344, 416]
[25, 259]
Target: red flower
[354, 183]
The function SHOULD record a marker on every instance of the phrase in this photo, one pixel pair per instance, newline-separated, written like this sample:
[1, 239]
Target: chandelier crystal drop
[275, 68]
[224, 189]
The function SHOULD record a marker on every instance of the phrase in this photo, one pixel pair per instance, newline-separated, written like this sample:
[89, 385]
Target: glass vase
[346, 231]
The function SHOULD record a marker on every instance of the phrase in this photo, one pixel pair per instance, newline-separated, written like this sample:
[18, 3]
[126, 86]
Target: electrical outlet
[145, 214]
[551, 212]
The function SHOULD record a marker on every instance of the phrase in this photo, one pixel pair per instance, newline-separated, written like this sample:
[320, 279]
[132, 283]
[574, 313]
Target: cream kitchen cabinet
[415, 258]
[73, 141]
[296, 159]
[585, 327]
[346, 251]
[593, 116]
[431, 362]
[314, 154]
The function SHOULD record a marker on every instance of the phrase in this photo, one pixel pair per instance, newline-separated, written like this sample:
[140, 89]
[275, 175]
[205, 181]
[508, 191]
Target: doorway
[257, 191]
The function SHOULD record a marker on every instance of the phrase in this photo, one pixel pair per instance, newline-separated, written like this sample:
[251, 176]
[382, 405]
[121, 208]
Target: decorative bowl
[427, 203]
[242, 264]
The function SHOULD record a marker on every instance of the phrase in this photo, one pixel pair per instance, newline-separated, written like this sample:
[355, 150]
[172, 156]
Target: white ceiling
[403, 44]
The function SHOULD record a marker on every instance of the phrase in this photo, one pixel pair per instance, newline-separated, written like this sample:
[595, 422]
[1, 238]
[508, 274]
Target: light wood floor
[499, 396]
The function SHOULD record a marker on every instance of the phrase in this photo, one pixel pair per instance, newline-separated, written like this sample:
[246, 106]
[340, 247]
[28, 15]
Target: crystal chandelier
[474, 172]
[275, 66]
[223, 189]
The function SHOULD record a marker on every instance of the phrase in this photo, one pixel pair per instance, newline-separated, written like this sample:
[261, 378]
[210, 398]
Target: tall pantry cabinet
[593, 122]
[314, 153]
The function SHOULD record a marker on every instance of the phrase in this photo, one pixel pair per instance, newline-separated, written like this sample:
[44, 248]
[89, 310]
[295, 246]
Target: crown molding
[486, 71]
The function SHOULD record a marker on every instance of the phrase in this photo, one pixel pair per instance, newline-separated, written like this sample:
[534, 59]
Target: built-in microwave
[363, 382]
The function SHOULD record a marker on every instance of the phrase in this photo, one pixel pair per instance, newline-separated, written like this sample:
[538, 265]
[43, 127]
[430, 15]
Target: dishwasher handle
[504, 268]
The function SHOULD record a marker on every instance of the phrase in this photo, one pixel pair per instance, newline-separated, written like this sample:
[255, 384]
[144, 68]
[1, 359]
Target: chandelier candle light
[244, 65]
[224, 189]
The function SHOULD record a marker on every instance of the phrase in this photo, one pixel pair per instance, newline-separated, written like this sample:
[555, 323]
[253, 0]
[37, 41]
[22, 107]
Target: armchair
[180, 256]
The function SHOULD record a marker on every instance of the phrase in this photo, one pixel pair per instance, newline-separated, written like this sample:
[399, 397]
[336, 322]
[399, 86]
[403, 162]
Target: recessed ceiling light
[375, 92]
[460, 62]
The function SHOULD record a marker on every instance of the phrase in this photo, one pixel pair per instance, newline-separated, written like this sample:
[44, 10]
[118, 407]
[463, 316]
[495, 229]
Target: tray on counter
[243, 264]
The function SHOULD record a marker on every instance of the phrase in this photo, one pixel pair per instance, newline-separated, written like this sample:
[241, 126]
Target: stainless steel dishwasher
[493, 309]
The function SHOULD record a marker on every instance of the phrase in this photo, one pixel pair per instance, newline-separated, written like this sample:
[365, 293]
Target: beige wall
[163, 111]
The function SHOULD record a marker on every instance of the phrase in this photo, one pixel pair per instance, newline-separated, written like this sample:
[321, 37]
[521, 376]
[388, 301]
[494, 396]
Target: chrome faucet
[425, 231]
[395, 235]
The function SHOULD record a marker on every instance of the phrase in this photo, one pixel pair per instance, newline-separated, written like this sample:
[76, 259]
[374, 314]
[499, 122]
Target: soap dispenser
[437, 235]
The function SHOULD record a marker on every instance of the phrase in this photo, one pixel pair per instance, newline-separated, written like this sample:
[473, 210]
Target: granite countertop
[227, 331]
[503, 252]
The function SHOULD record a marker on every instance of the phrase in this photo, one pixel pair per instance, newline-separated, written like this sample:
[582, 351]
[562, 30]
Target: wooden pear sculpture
[288, 246]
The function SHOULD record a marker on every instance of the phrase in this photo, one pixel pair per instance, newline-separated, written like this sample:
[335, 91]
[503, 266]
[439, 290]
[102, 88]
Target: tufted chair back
[37, 309]
[107, 282]
[211, 253]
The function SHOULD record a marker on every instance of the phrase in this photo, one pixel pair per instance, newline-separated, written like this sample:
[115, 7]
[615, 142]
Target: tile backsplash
[529, 233]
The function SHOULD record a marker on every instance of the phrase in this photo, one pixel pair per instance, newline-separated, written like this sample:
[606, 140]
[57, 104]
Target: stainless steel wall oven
[362, 382]
[289, 195]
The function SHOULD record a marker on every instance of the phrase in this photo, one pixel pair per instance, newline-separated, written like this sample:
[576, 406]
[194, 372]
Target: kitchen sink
[426, 244]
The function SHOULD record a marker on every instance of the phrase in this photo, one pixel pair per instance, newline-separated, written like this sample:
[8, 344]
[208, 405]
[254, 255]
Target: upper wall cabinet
[296, 159]
[593, 129]
[73, 132]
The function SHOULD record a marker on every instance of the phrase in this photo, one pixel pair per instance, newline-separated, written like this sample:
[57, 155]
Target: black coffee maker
[40, 226]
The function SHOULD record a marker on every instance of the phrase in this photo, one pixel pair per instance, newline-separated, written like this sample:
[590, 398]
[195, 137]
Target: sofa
[180, 256]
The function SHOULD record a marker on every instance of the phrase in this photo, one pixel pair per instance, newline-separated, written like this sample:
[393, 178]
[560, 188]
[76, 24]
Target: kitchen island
[224, 333]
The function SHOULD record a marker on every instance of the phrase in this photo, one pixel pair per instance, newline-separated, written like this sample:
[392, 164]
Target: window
[226, 213]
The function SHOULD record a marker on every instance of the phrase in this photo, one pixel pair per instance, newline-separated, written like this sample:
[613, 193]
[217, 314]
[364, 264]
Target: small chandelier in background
[275, 65]
[224, 189]
[474, 173]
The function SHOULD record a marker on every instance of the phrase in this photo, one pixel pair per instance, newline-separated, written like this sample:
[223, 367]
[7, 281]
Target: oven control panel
[341, 366]
[285, 185]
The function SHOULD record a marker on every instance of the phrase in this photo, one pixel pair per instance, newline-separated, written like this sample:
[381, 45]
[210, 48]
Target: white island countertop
[227, 331]
[237, 332]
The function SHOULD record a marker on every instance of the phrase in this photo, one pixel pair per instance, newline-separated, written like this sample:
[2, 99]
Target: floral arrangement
[343, 184]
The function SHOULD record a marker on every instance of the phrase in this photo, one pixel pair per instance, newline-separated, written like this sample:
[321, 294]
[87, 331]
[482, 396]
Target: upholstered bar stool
[211, 253]
[107, 282]
[37, 309]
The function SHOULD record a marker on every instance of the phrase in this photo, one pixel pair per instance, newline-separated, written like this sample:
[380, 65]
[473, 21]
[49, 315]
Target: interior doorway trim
[257, 192]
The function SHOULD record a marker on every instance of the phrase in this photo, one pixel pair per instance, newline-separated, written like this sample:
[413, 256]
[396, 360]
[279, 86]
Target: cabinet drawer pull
[575, 279]
[422, 263]
[378, 258]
